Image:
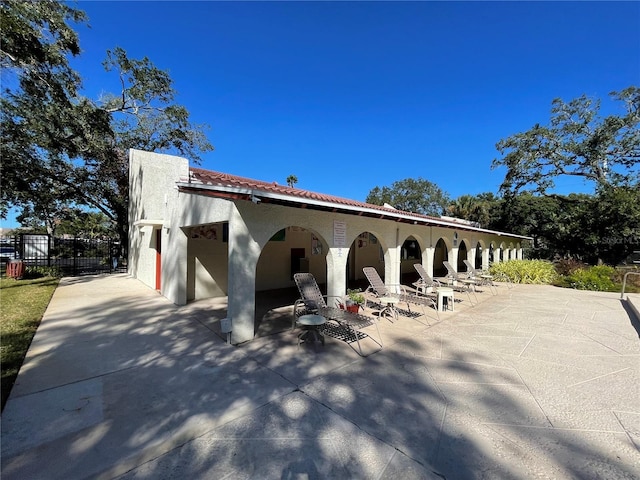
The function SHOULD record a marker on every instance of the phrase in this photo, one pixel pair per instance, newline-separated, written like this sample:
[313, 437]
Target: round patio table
[310, 325]
[389, 307]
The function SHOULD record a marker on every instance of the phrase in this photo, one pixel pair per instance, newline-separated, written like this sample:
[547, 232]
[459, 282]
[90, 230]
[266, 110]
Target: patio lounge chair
[459, 283]
[483, 278]
[341, 324]
[425, 282]
[471, 270]
[381, 291]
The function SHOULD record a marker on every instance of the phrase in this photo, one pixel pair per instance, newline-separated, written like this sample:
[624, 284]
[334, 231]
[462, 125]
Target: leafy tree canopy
[481, 208]
[411, 195]
[577, 142]
[292, 180]
[61, 149]
[36, 43]
[592, 228]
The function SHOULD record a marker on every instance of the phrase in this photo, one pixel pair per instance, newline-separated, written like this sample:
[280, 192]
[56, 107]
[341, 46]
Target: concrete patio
[535, 382]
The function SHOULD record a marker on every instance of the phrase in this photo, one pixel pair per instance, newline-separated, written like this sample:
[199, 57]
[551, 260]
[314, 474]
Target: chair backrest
[424, 276]
[471, 270]
[451, 272]
[309, 291]
[375, 282]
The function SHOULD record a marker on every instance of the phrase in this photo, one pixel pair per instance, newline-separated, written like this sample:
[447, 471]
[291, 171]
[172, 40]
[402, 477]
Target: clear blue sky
[352, 95]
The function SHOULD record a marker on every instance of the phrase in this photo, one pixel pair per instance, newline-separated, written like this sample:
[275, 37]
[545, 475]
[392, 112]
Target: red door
[158, 258]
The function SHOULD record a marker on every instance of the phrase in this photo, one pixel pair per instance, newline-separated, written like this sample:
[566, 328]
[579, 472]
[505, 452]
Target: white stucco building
[196, 234]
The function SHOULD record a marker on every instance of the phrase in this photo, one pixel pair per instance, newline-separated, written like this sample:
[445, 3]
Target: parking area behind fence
[70, 256]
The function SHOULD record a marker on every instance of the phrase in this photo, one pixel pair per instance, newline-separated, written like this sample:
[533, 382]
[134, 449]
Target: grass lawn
[22, 305]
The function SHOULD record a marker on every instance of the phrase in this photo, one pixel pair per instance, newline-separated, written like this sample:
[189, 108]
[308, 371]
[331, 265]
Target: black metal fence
[72, 256]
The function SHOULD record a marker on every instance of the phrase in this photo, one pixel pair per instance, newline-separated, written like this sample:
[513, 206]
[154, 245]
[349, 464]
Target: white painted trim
[148, 223]
[397, 214]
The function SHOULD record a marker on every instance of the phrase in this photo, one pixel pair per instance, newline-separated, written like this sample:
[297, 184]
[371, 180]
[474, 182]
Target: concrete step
[633, 301]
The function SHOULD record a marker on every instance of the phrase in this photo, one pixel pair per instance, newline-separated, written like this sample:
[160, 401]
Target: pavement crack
[598, 377]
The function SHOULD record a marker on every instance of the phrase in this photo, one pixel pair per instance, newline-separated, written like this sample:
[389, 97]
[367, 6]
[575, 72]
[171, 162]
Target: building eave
[257, 195]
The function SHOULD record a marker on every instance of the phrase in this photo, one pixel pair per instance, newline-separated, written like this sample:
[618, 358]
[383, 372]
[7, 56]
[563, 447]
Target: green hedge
[602, 278]
[524, 271]
[598, 278]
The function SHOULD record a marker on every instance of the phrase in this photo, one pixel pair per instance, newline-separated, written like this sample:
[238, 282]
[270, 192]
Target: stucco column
[471, 255]
[392, 266]
[173, 282]
[453, 258]
[336, 278]
[519, 254]
[244, 253]
[427, 259]
[496, 255]
[485, 258]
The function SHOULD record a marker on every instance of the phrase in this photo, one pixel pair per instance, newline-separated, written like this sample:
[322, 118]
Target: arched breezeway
[286, 250]
[224, 235]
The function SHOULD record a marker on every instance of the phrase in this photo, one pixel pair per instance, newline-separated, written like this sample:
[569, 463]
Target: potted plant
[355, 300]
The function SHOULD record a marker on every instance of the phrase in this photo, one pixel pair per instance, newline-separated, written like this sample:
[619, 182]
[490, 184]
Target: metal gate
[72, 256]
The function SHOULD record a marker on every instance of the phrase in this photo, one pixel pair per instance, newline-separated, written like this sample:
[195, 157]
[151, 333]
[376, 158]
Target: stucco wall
[207, 261]
[274, 266]
[152, 196]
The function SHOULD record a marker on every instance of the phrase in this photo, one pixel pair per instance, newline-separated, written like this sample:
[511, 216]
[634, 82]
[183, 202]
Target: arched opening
[478, 257]
[410, 254]
[365, 251]
[440, 255]
[462, 256]
[289, 251]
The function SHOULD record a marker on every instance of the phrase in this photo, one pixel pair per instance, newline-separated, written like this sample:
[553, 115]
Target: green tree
[615, 223]
[86, 224]
[555, 223]
[38, 85]
[143, 116]
[56, 142]
[292, 180]
[577, 142]
[36, 44]
[481, 208]
[411, 195]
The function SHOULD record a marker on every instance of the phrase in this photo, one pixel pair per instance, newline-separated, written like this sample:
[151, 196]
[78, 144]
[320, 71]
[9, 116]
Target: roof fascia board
[398, 215]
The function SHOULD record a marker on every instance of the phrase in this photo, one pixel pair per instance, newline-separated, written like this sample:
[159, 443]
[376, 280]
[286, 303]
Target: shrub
[42, 271]
[633, 281]
[598, 278]
[524, 271]
[566, 266]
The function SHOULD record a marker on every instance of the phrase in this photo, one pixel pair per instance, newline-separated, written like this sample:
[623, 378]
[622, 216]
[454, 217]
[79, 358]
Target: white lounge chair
[381, 291]
[341, 324]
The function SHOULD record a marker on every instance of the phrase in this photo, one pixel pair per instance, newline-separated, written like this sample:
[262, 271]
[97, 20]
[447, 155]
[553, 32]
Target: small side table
[445, 293]
[389, 307]
[310, 332]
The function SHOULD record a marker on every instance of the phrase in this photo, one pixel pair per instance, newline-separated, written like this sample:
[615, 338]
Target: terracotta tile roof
[209, 177]
[201, 179]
